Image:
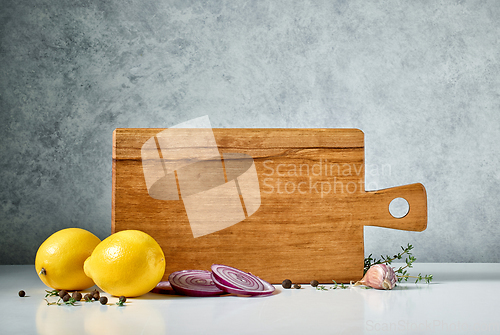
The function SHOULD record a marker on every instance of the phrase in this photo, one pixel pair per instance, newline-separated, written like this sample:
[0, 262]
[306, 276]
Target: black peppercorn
[96, 295]
[22, 293]
[297, 286]
[87, 297]
[122, 299]
[62, 293]
[77, 296]
[314, 283]
[287, 283]
[66, 297]
[103, 300]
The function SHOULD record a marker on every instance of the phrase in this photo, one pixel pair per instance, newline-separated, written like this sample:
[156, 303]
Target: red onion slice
[163, 287]
[195, 283]
[238, 291]
[235, 281]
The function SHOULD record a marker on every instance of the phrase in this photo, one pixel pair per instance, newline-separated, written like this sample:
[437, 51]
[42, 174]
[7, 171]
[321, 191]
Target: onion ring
[195, 283]
[235, 281]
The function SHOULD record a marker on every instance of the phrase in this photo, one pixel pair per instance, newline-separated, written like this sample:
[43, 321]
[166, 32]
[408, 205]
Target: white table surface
[462, 299]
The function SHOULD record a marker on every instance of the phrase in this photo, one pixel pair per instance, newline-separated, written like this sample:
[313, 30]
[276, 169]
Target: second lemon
[128, 263]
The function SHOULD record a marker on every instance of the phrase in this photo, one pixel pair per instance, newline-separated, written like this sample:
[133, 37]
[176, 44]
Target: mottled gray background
[420, 78]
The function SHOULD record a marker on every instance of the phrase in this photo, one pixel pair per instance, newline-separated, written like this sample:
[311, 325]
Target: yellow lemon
[59, 260]
[128, 263]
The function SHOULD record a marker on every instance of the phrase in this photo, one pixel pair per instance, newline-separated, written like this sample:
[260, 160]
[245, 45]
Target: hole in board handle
[399, 208]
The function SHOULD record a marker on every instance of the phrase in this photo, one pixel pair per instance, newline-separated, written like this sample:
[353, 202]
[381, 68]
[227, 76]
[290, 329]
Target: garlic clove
[380, 277]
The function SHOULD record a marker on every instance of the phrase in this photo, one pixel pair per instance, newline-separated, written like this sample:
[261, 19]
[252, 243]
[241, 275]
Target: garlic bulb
[379, 276]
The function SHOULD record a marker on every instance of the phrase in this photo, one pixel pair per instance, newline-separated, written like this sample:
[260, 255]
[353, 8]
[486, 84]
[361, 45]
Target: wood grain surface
[300, 231]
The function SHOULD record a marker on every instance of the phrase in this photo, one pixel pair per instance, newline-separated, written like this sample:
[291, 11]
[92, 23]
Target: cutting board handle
[377, 207]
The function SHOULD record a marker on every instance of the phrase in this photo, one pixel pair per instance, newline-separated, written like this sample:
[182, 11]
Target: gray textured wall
[420, 78]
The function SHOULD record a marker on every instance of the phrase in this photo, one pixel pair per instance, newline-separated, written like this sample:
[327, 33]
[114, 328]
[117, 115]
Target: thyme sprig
[401, 272]
[52, 293]
[121, 301]
[427, 278]
[51, 303]
[71, 302]
[369, 261]
[336, 286]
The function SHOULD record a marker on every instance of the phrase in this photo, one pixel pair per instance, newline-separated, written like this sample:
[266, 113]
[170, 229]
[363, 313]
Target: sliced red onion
[163, 287]
[234, 290]
[195, 283]
[235, 281]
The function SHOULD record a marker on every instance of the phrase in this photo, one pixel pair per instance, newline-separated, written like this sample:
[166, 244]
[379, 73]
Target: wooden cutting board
[297, 229]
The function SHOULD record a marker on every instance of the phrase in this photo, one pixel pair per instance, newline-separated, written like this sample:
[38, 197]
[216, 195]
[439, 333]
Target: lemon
[59, 260]
[128, 263]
